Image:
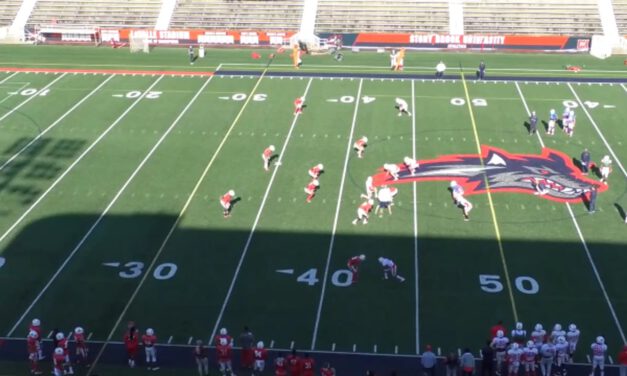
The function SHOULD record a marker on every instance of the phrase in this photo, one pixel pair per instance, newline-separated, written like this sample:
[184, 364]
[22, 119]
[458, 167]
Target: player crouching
[363, 212]
[316, 170]
[411, 165]
[360, 145]
[353, 265]
[267, 155]
[311, 189]
[392, 170]
[389, 268]
[402, 107]
[227, 203]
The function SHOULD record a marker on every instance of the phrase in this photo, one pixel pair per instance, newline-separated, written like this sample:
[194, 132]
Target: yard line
[337, 216]
[8, 78]
[583, 241]
[491, 203]
[174, 225]
[80, 157]
[624, 88]
[261, 207]
[620, 165]
[9, 95]
[32, 97]
[54, 184]
[40, 134]
[417, 297]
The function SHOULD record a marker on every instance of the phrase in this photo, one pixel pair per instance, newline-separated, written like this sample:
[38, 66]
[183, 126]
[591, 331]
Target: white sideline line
[417, 296]
[624, 88]
[8, 78]
[583, 241]
[607, 145]
[83, 154]
[53, 124]
[337, 216]
[261, 207]
[32, 97]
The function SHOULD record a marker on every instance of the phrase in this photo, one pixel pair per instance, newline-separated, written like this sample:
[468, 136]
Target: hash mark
[375, 348]
[272, 344]
[189, 341]
[333, 347]
[354, 347]
[439, 351]
[50, 334]
[170, 340]
[396, 349]
[89, 336]
[291, 345]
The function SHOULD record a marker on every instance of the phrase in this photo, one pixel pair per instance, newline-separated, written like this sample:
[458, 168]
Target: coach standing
[428, 362]
[585, 161]
[481, 71]
[592, 204]
[533, 123]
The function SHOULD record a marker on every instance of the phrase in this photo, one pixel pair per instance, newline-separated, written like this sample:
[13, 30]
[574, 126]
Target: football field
[110, 184]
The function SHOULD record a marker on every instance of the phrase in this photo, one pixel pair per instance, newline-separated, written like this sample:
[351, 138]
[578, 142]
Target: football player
[392, 170]
[298, 105]
[316, 170]
[81, 345]
[149, 340]
[131, 341]
[411, 165]
[519, 335]
[561, 354]
[327, 370]
[538, 335]
[32, 345]
[393, 60]
[294, 363]
[400, 59]
[267, 156]
[62, 343]
[58, 360]
[572, 336]
[360, 145]
[224, 334]
[223, 351]
[35, 326]
[280, 365]
[311, 189]
[606, 168]
[552, 121]
[201, 354]
[599, 348]
[353, 265]
[530, 353]
[260, 354]
[308, 365]
[226, 203]
[569, 124]
[556, 333]
[402, 107]
[390, 268]
[547, 354]
[513, 358]
[371, 190]
[499, 344]
[457, 193]
[385, 198]
[363, 212]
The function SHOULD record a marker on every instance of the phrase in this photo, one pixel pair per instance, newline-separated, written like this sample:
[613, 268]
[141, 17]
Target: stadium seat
[8, 11]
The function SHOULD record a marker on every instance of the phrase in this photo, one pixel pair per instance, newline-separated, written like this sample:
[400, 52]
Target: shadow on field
[184, 299]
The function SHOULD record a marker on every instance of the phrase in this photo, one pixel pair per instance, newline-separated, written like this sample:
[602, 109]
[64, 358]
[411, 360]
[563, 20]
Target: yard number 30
[492, 283]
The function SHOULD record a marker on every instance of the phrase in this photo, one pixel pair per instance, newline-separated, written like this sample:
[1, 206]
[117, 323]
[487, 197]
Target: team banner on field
[208, 37]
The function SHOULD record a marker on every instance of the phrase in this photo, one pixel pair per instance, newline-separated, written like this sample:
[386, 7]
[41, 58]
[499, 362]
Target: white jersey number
[492, 283]
[162, 272]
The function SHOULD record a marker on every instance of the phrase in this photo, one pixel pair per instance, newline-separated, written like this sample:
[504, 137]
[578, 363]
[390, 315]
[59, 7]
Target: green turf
[190, 273]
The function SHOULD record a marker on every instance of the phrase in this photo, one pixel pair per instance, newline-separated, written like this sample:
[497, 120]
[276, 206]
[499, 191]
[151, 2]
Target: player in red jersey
[36, 327]
[223, 351]
[226, 202]
[62, 343]
[363, 212]
[131, 342]
[280, 366]
[327, 370]
[316, 170]
[311, 189]
[81, 345]
[224, 334]
[360, 146]
[309, 365]
[32, 344]
[353, 264]
[58, 360]
[267, 156]
[260, 354]
[149, 340]
[298, 105]
[201, 354]
[294, 363]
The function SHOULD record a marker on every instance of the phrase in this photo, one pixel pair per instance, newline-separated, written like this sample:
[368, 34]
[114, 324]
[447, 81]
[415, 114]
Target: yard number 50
[492, 283]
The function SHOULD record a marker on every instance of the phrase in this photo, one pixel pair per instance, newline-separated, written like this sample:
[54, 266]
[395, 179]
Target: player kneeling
[311, 189]
[363, 212]
[227, 202]
[260, 355]
[360, 146]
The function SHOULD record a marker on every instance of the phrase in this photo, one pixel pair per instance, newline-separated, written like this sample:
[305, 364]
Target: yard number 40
[492, 283]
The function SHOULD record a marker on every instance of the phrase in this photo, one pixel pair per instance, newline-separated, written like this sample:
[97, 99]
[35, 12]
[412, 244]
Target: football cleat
[59, 336]
[150, 332]
[36, 322]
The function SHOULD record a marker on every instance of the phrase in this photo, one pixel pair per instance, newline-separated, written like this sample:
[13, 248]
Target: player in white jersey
[538, 335]
[513, 358]
[572, 337]
[556, 333]
[457, 192]
[530, 353]
[561, 354]
[392, 170]
[393, 60]
[402, 107]
[552, 121]
[569, 124]
[411, 164]
[371, 190]
[519, 335]
[599, 348]
[606, 168]
[389, 267]
[547, 354]
[499, 344]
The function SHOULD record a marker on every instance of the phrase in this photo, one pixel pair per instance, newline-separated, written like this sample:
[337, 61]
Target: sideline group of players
[61, 363]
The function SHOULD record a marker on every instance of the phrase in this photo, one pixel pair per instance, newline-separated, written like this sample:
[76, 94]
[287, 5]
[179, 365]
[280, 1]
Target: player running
[606, 168]
[316, 170]
[360, 145]
[499, 344]
[552, 121]
[260, 354]
[392, 170]
[457, 192]
[149, 340]
[411, 165]
[530, 353]
[572, 337]
[267, 155]
[363, 212]
[298, 105]
[353, 265]
[311, 189]
[402, 107]
[81, 346]
[390, 268]
[32, 345]
[599, 348]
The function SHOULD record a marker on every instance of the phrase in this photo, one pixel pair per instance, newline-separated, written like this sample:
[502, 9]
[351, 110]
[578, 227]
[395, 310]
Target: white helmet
[515, 346]
[408, 160]
[260, 345]
[552, 111]
[33, 334]
[59, 336]
[571, 113]
[58, 351]
[320, 166]
[150, 332]
[533, 113]
[561, 339]
[538, 327]
[519, 325]
[365, 139]
[530, 344]
[231, 193]
[223, 331]
[605, 159]
[315, 182]
[499, 334]
[36, 322]
[362, 257]
[557, 327]
[371, 202]
[78, 330]
[381, 260]
[453, 183]
[572, 327]
[271, 147]
[600, 340]
[223, 341]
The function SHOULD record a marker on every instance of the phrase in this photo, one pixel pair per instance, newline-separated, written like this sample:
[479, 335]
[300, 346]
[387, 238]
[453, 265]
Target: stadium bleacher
[238, 14]
[8, 10]
[620, 11]
[575, 17]
[102, 13]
